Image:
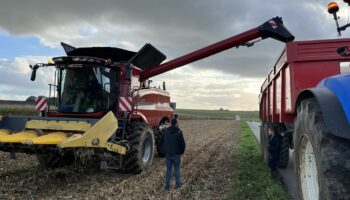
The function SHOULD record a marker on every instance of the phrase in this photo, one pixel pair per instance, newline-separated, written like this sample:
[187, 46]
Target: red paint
[202, 53]
[309, 62]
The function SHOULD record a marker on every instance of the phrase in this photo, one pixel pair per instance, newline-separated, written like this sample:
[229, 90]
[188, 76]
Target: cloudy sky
[30, 32]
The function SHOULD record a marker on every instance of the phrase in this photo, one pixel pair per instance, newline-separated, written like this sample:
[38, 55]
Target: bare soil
[206, 170]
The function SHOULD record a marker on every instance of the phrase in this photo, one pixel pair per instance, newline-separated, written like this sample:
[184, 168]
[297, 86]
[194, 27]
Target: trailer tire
[264, 142]
[321, 160]
[53, 160]
[141, 152]
[284, 153]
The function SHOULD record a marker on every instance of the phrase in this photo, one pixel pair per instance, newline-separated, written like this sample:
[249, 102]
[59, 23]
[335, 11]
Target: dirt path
[206, 170]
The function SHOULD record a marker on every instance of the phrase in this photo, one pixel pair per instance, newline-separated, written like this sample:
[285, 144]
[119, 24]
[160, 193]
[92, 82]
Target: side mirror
[33, 76]
[128, 73]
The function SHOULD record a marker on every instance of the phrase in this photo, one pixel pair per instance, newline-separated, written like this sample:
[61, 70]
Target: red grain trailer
[298, 98]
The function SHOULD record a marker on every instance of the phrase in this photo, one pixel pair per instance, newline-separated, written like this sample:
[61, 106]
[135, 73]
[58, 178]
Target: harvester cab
[102, 102]
[91, 80]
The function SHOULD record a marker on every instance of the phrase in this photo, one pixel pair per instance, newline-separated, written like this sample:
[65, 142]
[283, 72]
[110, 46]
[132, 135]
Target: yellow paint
[58, 125]
[97, 136]
[4, 132]
[49, 139]
[19, 137]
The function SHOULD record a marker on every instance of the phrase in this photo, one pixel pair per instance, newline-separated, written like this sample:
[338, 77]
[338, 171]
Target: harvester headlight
[50, 62]
[333, 7]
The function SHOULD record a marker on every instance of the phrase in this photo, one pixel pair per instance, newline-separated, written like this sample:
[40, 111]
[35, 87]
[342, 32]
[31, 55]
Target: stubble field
[207, 167]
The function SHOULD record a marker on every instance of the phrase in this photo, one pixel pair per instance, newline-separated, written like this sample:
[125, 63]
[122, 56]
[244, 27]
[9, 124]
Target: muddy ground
[206, 171]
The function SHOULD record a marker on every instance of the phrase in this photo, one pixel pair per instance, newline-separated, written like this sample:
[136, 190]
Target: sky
[31, 32]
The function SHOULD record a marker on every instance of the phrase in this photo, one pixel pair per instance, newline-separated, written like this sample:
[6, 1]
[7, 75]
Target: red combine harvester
[103, 103]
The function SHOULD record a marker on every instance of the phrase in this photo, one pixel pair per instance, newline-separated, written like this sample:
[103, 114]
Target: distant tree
[221, 109]
[31, 99]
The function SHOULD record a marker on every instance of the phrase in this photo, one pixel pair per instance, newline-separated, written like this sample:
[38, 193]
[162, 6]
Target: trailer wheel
[321, 160]
[55, 160]
[264, 142]
[284, 153]
[141, 141]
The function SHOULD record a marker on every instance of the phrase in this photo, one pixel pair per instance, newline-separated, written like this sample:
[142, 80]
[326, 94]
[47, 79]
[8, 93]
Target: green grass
[252, 178]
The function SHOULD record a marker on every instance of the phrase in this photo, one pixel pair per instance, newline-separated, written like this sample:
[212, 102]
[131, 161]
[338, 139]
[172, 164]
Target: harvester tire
[55, 160]
[284, 153]
[159, 136]
[264, 142]
[321, 159]
[141, 152]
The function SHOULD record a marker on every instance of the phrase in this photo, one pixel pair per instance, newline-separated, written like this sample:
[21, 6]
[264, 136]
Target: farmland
[213, 162]
[207, 168]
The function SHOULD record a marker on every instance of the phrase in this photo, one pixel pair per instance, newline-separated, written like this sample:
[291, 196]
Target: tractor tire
[284, 153]
[159, 136]
[264, 142]
[53, 160]
[321, 160]
[141, 152]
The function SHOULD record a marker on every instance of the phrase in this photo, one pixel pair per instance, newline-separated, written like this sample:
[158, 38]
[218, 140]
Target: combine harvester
[306, 96]
[104, 105]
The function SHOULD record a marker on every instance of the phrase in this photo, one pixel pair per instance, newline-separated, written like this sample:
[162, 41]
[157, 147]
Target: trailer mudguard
[333, 97]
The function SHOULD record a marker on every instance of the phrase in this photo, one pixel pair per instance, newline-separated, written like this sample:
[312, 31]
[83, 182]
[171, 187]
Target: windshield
[87, 89]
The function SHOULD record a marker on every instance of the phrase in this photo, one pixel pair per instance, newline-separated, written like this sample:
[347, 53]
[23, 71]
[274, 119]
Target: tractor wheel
[321, 160]
[159, 136]
[55, 160]
[284, 153]
[264, 142]
[141, 141]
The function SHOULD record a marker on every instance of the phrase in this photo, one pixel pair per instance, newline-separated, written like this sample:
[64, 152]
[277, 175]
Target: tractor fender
[333, 111]
[139, 115]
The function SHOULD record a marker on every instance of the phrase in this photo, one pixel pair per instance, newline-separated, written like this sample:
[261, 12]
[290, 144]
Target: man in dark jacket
[274, 149]
[173, 146]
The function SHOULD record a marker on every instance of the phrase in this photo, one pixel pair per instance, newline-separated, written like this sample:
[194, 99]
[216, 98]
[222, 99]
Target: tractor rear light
[344, 67]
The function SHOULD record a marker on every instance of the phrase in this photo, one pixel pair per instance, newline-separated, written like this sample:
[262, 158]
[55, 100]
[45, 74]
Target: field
[216, 114]
[220, 151]
[207, 168]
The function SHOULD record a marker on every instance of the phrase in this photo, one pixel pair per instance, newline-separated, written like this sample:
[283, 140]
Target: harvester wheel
[55, 160]
[159, 136]
[321, 160]
[141, 141]
[264, 142]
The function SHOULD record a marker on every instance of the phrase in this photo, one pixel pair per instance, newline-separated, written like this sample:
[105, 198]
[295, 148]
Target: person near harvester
[173, 146]
[274, 149]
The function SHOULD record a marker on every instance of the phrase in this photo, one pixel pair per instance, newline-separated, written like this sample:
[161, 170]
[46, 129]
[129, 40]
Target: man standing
[274, 149]
[173, 146]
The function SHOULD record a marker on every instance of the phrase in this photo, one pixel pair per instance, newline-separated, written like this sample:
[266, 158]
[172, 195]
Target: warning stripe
[41, 104]
[125, 104]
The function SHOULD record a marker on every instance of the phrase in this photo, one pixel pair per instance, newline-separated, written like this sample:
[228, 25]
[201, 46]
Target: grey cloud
[175, 27]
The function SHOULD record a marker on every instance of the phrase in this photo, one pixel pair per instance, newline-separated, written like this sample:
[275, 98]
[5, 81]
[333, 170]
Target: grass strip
[252, 178]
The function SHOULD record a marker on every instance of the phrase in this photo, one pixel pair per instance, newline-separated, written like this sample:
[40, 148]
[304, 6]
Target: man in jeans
[173, 146]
